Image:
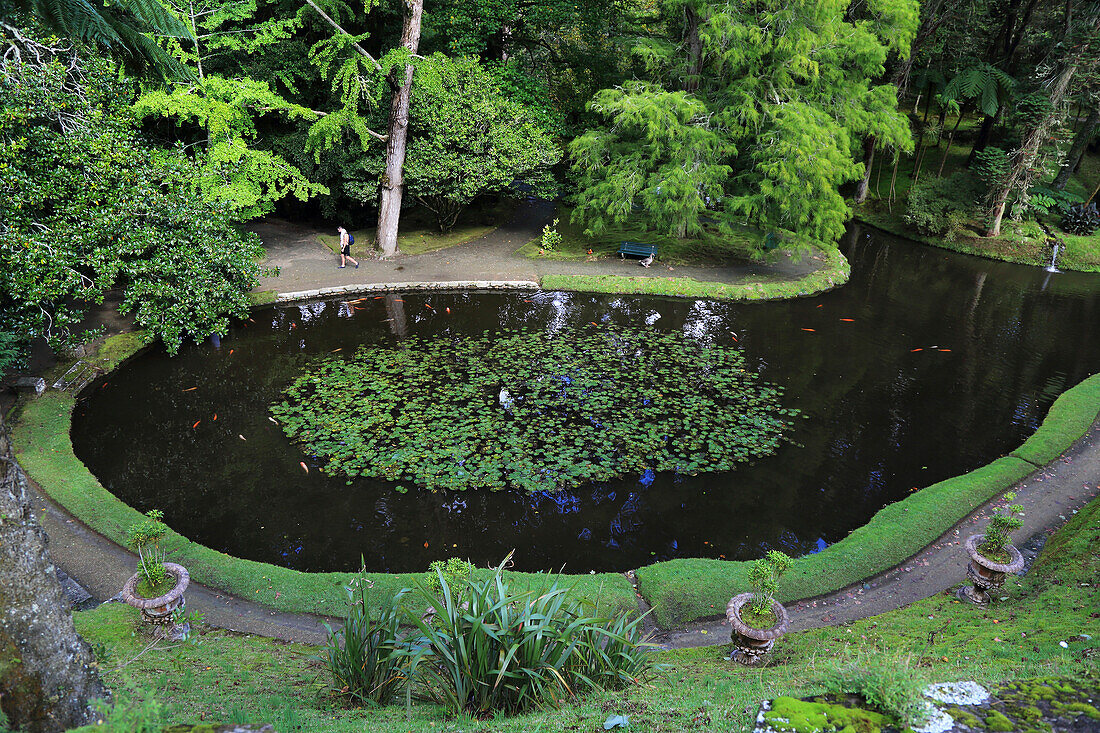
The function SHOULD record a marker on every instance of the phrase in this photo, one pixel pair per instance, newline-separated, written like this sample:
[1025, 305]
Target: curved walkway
[1049, 495]
[306, 264]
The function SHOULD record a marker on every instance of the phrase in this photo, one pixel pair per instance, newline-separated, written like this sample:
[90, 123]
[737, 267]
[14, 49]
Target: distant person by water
[346, 240]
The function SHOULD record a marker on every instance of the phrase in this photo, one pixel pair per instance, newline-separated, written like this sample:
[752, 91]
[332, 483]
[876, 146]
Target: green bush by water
[365, 656]
[538, 413]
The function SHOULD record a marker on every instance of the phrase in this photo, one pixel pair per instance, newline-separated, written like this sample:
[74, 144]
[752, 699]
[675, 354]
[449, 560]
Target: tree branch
[362, 51]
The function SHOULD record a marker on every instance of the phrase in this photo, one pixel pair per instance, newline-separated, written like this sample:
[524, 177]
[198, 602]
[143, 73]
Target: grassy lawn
[709, 250]
[1019, 242]
[419, 233]
[230, 678]
[834, 271]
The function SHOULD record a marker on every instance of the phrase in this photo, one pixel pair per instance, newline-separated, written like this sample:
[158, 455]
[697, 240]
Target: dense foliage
[489, 649]
[469, 140]
[531, 412]
[746, 112]
[87, 205]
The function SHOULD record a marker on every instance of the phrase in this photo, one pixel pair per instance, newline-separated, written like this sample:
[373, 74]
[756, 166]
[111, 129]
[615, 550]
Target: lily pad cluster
[531, 411]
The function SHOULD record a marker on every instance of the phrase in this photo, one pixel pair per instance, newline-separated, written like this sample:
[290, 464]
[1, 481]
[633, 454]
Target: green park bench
[637, 249]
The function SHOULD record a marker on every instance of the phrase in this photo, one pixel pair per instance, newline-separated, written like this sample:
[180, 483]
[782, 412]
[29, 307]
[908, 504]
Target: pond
[926, 365]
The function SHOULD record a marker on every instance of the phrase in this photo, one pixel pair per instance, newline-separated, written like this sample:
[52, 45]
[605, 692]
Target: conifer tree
[750, 112]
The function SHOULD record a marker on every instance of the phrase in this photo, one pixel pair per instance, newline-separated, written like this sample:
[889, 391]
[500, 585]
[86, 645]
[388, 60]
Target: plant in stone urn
[757, 618]
[156, 589]
[991, 555]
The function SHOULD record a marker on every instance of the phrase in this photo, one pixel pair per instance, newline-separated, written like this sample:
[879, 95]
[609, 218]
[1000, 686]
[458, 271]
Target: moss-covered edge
[834, 272]
[679, 590]
[40, 434]
[684, 590]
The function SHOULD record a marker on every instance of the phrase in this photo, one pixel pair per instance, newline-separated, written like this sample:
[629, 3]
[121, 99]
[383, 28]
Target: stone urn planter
[752, 644]
[986, 575]
[158, 611]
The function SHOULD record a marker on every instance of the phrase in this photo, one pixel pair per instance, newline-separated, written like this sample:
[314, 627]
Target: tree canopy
[88, 205]
[748, 112]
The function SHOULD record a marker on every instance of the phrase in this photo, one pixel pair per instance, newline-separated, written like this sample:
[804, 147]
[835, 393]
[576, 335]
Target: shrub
[997, 531]
[550, 237]
[764, 575]
[1045, 200]
[453, 571]
[499, 651]
[12, 353]
[1081, 220]
[941, 206]
[365, 657]
[145, 537]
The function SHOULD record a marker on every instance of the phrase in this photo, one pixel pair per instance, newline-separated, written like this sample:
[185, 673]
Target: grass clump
[365, 656]
[489, 649]
[888, 684]
[533, 412]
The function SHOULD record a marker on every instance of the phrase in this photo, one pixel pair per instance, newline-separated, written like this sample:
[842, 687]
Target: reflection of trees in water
[395, 315]
[877, 414]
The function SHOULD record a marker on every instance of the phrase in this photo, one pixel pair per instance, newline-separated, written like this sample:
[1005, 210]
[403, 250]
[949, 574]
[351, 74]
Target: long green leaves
[489, 649]
[365, 657]
[521, 410]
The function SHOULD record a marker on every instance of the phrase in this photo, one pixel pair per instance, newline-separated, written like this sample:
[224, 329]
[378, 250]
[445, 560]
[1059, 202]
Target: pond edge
[681, 590]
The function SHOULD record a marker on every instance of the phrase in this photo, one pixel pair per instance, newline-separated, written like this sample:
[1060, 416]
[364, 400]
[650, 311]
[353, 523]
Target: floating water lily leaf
[531, 411]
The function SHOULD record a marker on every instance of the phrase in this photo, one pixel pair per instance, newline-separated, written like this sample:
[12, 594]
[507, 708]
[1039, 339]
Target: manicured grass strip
[835, 271]
[263, 297]
[684, 590]
[1070, 417]
[43, 448]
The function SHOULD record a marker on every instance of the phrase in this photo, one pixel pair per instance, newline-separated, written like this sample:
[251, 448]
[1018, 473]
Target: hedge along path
[680, 591]
[686, 590]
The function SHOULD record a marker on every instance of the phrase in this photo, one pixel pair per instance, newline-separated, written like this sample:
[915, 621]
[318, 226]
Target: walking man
[346, 240]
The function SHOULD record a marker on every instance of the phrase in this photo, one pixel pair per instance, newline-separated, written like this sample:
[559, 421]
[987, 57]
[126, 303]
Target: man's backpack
[351, 239]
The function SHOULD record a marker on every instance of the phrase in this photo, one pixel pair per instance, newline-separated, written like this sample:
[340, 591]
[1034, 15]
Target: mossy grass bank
[679, 590]
[1020, 242]
[232, 678]
[833, 272]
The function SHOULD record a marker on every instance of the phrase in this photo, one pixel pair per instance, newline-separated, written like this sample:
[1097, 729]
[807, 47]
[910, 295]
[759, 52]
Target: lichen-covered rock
[47, 674]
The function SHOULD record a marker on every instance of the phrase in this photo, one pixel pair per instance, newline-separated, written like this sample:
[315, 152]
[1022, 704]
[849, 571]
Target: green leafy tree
[752, 113]
[467, 139]
[222, 113]
[86, 205]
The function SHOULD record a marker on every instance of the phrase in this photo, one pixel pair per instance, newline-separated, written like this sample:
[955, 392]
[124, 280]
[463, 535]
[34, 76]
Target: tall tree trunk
[46, 675]
[1024, 158]
[393, 181]
[868, 161]
[1077, 149]
[983, 135]
[694, 49]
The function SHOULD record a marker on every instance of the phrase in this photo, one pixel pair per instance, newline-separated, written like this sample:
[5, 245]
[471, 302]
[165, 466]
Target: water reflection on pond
[927, 364]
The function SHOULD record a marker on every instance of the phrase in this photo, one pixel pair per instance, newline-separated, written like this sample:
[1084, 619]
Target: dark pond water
[947, 363]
